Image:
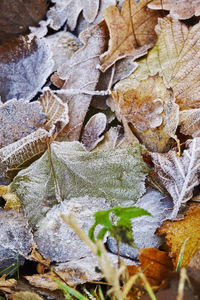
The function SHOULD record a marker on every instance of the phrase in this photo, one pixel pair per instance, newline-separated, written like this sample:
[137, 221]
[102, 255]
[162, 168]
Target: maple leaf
[81, 73]
[25, 64]
[17, 16]
[69, 10]
[117, 175]
[178, 231]
[179, 174]
[183, 9]
[175, 57]
[152, 111]
[131, 31]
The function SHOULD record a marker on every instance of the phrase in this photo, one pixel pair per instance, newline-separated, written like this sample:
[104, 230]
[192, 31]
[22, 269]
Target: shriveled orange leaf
[131, 31]
[175, 57]
[151, 110]
[6, 285]
[178, 231]
[183, 9]
[155, 264]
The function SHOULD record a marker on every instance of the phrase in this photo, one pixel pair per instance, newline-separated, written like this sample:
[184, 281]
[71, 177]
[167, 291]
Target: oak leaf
[175, 57]
[69, 10]
[131, 31]
[183, 9]
[151, 110]
[178, 231]
[179, 175]
[81, 73]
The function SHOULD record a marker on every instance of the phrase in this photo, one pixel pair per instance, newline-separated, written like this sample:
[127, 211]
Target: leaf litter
[60, 87]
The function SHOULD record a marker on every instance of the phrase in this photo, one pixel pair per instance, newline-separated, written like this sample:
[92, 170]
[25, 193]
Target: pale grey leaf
[93, 131]
[179, 174]
[144, 227]
[116, 175]
[63, 243]
[25, 64]
[190, 122]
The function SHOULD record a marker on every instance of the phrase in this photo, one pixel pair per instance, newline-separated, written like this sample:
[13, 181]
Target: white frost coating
[63, 243]
[23, 77]
[179, 174]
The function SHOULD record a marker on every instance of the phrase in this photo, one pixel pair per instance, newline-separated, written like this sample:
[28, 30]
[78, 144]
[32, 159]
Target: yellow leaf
[175, 57]
[131, 31]
[176, 233]
[11, 199]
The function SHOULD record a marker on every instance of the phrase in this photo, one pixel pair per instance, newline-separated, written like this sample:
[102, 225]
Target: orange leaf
[131, 31]
[155, 264]
[176, 233]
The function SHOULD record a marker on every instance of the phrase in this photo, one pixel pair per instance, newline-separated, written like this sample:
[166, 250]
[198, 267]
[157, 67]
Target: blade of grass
[68, 290]
[181, 254]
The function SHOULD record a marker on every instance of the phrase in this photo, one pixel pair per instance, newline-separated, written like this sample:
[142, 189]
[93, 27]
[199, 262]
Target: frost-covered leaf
[15, 238]
[178, 231]
[116, 175]
[131, 31]
[81, 73]
[182, 9]
[176, 58]
[25, 64]
[179, 174]
[63, 45]
[93, 131]
[190, 122]
[151, 110]
[69, 10]
[144, 227]
[65, 245]
[18, 119]
[17, 16]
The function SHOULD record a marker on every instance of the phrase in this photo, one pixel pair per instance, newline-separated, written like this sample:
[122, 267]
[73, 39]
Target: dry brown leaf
[131, 31]
[179, 175]
[182, 9]
[189, 121]
[26, 296]
[151, 110]
[178, 231]
[18, 118]
[93, 131]
[17, 16]
[6, 285]
[175, 57]
[81, 73]
[155, 264]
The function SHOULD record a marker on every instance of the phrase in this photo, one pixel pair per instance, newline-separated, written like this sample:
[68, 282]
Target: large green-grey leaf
[116, 175]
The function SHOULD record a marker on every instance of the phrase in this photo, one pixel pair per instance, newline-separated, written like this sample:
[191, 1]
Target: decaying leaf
[16, 239]
[25, 64]
[26, 296]
[182, 9]
[151, 110]
[176, 58]
[155, 264]
[69, 10]
[19, 153]
[178, 231]
[81, 73]
[116, 175]
[144, 227]
[63, 45]
[190, 122]
[6, 285]
[17, 16]
[18, 119]
[179, 174]
[131, 31]
[93, 131]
